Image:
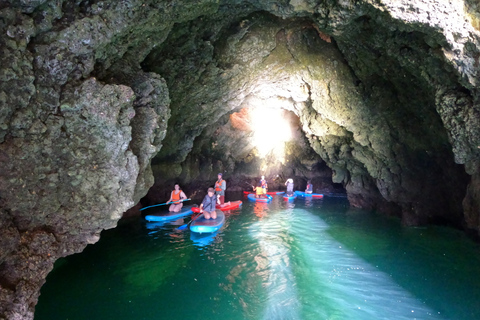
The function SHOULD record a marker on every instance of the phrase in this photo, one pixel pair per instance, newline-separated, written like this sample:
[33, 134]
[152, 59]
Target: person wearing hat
[289, 184]
[220, 186]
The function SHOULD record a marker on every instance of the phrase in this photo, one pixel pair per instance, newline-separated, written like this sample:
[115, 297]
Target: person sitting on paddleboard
[289, 184]
[309, 188]
[220, 187]
[259, 191]
[264, 185]
[207, 207]
[175, 197]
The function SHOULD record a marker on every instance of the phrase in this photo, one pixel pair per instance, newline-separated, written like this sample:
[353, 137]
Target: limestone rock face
[100, 100]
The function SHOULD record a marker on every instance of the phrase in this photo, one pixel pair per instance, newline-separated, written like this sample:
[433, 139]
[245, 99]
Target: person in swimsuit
[175, 197]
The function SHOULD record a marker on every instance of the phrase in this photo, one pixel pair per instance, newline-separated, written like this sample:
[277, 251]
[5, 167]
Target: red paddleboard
[248, 192]
[232, 205]
[276, 192]
[196, 209]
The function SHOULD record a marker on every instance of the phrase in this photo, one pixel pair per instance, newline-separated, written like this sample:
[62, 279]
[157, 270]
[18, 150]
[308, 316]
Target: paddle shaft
[186, 225]
[162, 204]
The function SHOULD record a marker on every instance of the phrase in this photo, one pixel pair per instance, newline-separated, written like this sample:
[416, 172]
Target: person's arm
[183, 195]
[224, 185]
[170, 200]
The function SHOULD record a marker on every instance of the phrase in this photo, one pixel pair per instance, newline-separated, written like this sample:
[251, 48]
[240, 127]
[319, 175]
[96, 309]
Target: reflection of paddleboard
[202, 225]
[288, 198]
[167, 216]
[260, 209]
[202, 240]
[252, 197]
[303, 194]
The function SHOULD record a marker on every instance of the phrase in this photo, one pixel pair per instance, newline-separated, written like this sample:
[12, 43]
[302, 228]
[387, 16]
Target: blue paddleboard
[288, 198]
[202, 225]
[303, 194]
[167, 216]
[252, 197]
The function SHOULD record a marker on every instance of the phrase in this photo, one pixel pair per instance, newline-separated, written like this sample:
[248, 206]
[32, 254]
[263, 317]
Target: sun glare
[271, 129]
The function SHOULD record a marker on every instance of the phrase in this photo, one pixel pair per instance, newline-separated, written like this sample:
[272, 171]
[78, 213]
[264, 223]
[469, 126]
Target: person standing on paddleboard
[220, 187]
[175, 197]
[289, 184]
[207, 207]
[264, 185]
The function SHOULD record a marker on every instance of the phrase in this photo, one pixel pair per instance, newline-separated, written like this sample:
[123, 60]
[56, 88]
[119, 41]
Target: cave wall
[90, 91]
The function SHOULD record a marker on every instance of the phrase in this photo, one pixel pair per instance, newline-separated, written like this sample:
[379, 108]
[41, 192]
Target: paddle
[253, 187]
[162, 204]
[186, 225]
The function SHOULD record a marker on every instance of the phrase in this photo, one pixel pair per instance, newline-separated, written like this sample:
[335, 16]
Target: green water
[315, 259]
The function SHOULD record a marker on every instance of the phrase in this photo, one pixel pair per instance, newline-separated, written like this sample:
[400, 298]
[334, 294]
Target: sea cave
[104, 105]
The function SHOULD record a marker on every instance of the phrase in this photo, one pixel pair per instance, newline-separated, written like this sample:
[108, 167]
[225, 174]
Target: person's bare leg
[206, 215]
[214, 214]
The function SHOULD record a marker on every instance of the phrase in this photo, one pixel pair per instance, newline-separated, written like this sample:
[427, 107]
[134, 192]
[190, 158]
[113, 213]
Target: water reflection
[274, 266]
[260, 209]
[202, 239]
[309, 275]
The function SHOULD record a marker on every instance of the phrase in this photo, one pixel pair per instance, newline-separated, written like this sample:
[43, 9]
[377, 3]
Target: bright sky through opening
[270, 131]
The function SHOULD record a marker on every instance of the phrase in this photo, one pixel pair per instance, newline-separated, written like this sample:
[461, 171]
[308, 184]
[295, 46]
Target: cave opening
[254, 75]
[365, 113]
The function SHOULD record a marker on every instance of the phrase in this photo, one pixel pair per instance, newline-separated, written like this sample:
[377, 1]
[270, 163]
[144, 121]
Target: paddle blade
[182, 227]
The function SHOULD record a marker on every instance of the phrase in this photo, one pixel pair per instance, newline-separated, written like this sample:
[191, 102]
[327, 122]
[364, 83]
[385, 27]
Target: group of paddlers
[207, 207]
[216, 195]
[262, 188]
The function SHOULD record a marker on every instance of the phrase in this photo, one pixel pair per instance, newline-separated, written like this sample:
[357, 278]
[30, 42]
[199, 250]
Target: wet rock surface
[100, 100]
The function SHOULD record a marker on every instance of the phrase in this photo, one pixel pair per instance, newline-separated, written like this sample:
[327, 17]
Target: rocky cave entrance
[244, 101]
[97, 95]
[379, 135]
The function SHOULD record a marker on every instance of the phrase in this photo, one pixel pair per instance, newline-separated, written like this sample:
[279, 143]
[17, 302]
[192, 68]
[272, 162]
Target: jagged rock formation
[382, 94]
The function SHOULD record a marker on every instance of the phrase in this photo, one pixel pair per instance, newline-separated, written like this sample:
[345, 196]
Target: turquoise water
[316, 259]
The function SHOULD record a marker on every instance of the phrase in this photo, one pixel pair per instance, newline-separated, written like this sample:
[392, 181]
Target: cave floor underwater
[307, 259]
